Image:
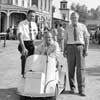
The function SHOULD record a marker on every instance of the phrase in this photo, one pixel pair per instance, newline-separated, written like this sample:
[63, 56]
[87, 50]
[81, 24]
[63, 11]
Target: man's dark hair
[56, 25]
[60, 25]
[30, 11]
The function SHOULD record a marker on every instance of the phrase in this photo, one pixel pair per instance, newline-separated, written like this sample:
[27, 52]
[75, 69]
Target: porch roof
[11, 7]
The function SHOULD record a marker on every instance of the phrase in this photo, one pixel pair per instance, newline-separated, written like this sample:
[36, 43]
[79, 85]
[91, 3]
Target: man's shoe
[23, 76]
[82, 94]
[72, 91]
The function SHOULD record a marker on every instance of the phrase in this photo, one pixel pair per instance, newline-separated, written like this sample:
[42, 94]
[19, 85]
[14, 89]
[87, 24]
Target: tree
[82, 11]
[85, 13]
[73, 6]
[94, 13]
[98, 12]
[98, 9]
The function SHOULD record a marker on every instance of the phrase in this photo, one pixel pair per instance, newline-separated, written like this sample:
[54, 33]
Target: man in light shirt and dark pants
[76, 44]
[27, 31]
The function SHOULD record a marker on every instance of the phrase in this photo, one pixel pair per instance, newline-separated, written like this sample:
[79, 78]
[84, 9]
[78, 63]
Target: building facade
[14, 11]
[61, 14]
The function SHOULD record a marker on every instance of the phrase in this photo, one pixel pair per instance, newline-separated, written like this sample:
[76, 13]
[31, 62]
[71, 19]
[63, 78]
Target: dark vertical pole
[52, 18]
[53, 10]
[4, 40]
[0, 21]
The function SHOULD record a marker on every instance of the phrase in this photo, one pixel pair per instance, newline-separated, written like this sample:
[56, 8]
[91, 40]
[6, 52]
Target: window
[35, 2]
[10, 2]
[64, 16]
[16, 2]
[45, 5]
[41, 5]
[63, 6]
[49, 5]
[28, 4]
[22, 2]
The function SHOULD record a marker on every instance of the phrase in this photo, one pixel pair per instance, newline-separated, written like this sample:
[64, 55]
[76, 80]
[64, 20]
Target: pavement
[10, 73]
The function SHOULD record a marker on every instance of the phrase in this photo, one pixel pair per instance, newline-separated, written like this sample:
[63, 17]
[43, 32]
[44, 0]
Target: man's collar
[29, 21]
[76, 24]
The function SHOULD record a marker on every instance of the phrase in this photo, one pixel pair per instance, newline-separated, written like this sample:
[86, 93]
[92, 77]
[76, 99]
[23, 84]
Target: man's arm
[86, 40]
[65, 44]
[20, 38]
[86, 43]
[36, 30]
[85, 51]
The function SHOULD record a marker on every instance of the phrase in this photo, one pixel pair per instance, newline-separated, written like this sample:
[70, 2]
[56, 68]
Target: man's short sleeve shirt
[23, 28]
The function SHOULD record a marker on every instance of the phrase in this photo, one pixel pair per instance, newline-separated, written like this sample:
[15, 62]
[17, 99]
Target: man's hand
[85, 53]
[24, 52]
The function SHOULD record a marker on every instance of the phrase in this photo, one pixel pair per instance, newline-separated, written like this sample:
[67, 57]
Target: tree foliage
[85, 13]
[81, 9]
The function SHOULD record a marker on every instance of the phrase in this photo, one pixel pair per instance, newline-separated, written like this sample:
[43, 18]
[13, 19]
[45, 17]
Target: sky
[89, 3]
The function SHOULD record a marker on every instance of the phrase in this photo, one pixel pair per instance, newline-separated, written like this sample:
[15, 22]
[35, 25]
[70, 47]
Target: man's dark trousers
[76, 61]
[30, 47]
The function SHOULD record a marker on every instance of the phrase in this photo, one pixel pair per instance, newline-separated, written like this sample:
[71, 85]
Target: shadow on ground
[9, 94]
[94, 46]
[69, 93]
[95, 71]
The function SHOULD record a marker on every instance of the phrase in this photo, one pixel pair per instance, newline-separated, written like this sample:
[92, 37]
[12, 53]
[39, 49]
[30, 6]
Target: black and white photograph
[49, 49]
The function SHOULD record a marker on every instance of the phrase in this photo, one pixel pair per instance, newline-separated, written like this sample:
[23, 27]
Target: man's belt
[75, 44]
[29, 41]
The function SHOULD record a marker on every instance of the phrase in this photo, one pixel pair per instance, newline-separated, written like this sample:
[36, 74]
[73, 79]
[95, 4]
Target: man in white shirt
[76, 44]
[27, 31]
